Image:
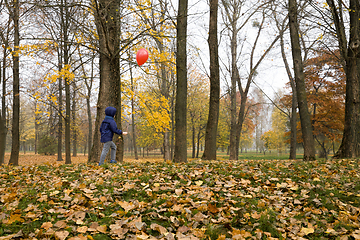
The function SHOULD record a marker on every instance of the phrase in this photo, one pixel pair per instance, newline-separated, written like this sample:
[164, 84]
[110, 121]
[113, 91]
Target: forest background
[59, 59]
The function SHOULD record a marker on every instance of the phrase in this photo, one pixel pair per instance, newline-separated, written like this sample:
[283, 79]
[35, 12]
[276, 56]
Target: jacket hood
[110, 111]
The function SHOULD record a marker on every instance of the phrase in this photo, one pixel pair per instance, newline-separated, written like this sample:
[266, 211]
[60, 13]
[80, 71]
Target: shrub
[47, 145]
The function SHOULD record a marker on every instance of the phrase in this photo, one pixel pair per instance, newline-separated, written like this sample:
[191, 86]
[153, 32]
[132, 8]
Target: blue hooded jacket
[108, 126]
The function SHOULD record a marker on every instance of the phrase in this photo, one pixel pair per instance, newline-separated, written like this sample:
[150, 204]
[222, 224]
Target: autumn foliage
[245, 199]
[325, 86]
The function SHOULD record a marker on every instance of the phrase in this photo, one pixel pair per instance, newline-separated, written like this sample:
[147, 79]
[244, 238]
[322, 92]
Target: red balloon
[142, 56]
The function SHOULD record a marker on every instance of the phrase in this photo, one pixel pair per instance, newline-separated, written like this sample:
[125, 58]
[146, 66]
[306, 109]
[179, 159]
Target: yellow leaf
[199, 183]
[102, 228]
[221, 237]
[307, 231]
[330, 230]
[14, 218]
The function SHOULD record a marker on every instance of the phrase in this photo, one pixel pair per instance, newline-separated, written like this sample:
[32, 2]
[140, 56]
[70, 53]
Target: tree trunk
[212, 123]
[3, 129]
[60, 102]
[193, 141]
[14, 157]
[74, 145]
[198, 144]
[293, 117]
[88, 107]
[349, 147]
[65, 26]
[233, 99]
[114, 36]
[2, 137]
[37, 120]
[241, 119]
[107, 18]
[306, 127]
[133, 115]
[180, 153]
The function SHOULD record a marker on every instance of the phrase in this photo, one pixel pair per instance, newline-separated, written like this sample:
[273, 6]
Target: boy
[107, 129]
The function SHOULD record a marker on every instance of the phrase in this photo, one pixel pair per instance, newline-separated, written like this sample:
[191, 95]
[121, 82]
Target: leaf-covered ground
[197, 200]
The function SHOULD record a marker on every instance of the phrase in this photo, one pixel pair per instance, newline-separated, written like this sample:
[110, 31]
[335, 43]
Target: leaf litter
[247, 199]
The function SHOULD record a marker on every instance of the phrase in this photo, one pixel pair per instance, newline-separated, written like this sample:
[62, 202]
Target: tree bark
[306, 127]
[60, 103]
[74, 143]
[213, 118]
[349, 147]
[14, 157]
[233, 98]
[65, 26]
[180, 153]
[3, 129]
[293, 117]
[133, 115]
[107, 18]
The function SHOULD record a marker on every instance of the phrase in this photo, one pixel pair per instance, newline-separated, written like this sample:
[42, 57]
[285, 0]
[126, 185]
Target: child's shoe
[112, 161]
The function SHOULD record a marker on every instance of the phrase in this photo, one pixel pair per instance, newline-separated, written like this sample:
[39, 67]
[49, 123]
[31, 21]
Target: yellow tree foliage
[275, 138]
[47, 97]
[152, 114]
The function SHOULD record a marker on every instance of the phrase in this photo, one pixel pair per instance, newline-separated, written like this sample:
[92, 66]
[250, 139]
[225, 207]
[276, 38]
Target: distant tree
[197, 107]
[235, 20]
[325, 84]
[155, 18]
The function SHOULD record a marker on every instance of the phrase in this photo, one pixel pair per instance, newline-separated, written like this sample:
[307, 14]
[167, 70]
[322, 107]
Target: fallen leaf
[60, 224]
[127, 206]
[159, 228]
[221, 237]
[66, 198]
[178, 191]
[212, 208]
[102, 229]
[15, 218]
[82, 229]
[307, 231]
[61, 235]
[12, 236]
[46, 225]
[199, 182]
